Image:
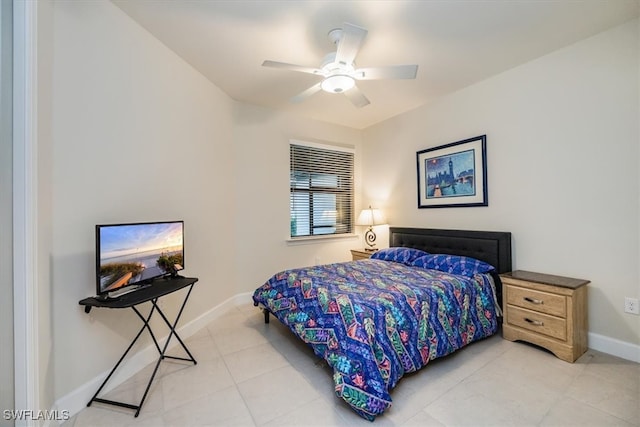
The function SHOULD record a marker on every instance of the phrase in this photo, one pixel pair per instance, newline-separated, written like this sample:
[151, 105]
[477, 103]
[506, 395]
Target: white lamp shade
[371, 217]
[337, 84]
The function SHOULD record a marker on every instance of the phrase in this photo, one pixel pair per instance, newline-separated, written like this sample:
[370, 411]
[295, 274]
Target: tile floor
[252, 374]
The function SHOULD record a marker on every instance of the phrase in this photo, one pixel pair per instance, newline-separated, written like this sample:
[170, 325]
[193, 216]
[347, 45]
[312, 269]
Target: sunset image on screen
[138, 252]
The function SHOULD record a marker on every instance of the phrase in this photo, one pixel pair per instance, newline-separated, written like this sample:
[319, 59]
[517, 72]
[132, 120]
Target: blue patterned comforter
[375, 320]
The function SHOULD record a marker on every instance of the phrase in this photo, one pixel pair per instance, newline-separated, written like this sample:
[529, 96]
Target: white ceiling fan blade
[356, 97]
[307, 93]
[291, 67]
[390, 72]
[350, 42]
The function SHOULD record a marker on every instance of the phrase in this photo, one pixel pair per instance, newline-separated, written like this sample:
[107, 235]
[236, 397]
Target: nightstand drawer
[543, 302]
[537, 322]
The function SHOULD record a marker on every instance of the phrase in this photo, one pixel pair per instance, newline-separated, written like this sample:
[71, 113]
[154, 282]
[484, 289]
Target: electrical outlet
[631, 305]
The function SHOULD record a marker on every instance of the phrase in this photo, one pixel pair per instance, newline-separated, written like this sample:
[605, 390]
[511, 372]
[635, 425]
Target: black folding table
[150, 293]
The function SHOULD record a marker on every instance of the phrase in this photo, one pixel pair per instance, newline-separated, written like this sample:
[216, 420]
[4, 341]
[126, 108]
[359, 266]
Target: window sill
[319, 239]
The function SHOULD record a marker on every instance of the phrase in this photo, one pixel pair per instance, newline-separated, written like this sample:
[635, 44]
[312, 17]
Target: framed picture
[453, 175]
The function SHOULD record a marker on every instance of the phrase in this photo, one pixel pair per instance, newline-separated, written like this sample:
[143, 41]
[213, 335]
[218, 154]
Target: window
[321, 190]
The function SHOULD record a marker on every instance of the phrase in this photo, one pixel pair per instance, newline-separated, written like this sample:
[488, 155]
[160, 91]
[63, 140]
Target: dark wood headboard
[492, 247]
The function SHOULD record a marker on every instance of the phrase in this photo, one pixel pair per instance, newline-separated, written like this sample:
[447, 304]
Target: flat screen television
[131, 255]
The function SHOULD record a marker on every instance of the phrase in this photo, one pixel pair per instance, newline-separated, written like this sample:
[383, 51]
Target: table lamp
[370, 217]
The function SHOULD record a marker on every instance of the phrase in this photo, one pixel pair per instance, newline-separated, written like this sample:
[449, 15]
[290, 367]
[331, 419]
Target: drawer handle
[534, 322]
[533, 300]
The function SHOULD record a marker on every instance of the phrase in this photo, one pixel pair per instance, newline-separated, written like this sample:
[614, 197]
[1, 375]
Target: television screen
[137, 253]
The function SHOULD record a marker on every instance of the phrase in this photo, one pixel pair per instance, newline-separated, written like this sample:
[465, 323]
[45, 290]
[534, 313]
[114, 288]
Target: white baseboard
[77, 400]
[622, 349]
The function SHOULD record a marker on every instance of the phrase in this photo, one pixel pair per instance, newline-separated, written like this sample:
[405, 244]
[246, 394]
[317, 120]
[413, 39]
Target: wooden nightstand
[549, 311]
[357, 254]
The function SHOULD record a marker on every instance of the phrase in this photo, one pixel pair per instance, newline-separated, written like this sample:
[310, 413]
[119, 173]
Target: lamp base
[370, 239]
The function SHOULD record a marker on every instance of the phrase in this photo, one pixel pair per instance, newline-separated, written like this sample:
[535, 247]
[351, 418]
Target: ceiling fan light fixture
[338, 83]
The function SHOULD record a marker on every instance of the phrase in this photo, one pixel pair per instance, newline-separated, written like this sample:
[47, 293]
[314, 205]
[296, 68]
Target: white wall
[138, 135]
[44, 153]
[562, 148]
[262, 148]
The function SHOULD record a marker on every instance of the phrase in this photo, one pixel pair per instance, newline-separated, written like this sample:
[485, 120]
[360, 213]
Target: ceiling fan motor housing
[330, 66]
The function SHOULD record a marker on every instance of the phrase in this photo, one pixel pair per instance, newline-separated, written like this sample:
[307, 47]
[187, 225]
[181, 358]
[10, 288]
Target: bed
[431, 293]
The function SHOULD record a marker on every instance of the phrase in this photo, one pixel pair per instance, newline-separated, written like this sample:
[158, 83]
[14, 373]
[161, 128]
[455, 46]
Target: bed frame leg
[266, 315]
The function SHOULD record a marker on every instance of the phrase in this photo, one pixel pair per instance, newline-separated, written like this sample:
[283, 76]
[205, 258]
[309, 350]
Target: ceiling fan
[338, 68]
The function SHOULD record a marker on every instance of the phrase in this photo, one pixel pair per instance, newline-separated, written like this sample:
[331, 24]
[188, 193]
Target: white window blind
[321, 190]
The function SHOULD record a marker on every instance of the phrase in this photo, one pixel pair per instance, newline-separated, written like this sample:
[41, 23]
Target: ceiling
[454, 42]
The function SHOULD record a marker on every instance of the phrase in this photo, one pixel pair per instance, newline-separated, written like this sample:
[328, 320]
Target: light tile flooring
[253, 374]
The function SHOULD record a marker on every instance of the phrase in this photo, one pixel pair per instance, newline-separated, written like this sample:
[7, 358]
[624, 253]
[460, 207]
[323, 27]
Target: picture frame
[453, 175]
